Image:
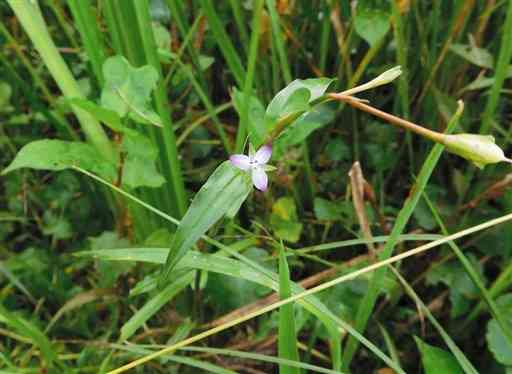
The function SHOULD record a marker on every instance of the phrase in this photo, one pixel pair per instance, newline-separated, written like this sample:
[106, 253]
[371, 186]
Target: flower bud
[387, 77]
[480, 149]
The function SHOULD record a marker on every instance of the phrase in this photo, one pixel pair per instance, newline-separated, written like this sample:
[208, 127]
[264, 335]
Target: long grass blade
[366, 306]
[287, 333]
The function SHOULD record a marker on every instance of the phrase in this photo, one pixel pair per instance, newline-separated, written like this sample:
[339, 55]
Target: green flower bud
[387, 77]
[480, 149]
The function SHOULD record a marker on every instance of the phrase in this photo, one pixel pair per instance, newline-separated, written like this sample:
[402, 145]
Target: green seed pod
[480, 149]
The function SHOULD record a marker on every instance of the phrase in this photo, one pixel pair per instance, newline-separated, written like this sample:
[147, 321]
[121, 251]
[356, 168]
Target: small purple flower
[256, 163]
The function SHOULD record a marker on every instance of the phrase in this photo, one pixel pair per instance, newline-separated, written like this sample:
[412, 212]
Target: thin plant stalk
[366, 306]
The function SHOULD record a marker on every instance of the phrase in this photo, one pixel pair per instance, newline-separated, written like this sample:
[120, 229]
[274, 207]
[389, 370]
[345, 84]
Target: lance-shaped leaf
[222, 194]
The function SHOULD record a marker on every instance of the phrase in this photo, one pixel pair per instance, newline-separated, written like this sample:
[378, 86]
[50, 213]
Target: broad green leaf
[371, 22]
[304, 126]
[56, 226]
[59, 155]
[436, 360]
[337, 150]
[287, 334]
[474, 55]
[108, 271]
[284, 220]
[462, 288]
[127, 89]
[496, 341]
[222, 194]
[294, 100]
[139, 168]
[328, 210]
[162, 36]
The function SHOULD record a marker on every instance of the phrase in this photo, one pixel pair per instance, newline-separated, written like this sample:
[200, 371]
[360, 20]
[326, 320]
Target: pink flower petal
[240, 161]
[263, 154]
[259, 179]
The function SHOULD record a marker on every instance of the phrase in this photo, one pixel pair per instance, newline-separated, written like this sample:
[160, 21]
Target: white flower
[256, 164]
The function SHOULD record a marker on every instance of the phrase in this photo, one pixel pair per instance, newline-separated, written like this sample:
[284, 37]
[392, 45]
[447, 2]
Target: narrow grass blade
[458, 354]
[502, 283]
[87, 25]
[279, 41]
[192, 362]
[224, 43]
[249, 356]
[169, 149]
[366, 306]
[154, 305]
[287, 333]
[26, 328]
[390, 344]
[473, 274]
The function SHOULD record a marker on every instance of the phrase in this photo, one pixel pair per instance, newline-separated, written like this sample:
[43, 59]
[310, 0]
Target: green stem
[30, 17]
[162, 104]
[91, 35]
[253, 54]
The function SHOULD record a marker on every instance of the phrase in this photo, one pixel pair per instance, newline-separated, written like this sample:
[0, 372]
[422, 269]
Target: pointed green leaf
[371, 23]
[294, 100]
[223, 193]
[59, 155]
[436, 360]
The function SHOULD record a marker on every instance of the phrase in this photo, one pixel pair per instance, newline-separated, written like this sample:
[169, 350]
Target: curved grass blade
[366, 306]
[38, 338]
